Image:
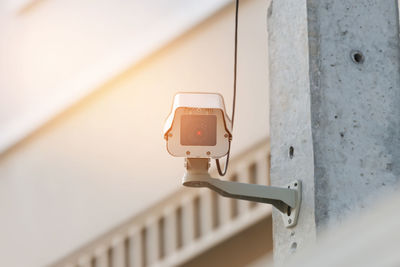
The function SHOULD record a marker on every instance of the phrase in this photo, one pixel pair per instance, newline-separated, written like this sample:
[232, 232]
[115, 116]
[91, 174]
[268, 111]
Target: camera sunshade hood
[198, 100]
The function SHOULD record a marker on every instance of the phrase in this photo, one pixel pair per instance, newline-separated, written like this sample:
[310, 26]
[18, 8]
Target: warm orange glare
[199, 133]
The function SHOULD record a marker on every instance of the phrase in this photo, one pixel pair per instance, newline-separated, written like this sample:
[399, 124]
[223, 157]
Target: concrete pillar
[335, 109]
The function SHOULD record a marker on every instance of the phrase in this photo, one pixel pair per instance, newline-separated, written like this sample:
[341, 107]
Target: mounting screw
[187, 152]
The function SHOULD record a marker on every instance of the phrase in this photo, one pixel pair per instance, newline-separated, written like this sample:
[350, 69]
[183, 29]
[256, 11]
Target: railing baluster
[206, 219]
[243, 177]
[135, 248]
[118, 252]
[101, 255]
[170, 231]
[152, 241]
[224, 210]
[188, 220]
[84, 261]
[262, 169]
[234, 203]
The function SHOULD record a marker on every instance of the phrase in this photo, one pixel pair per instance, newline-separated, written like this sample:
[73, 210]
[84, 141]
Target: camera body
[198, 126]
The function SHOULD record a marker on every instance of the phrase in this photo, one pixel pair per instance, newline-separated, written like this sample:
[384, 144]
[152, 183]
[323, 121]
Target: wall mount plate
[291, 216]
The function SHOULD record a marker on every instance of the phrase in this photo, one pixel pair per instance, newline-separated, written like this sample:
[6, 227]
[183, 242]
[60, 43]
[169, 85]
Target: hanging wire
[220, 172]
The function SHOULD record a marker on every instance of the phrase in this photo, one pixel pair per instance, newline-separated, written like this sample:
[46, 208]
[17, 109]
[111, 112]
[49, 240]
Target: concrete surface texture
[335, 113]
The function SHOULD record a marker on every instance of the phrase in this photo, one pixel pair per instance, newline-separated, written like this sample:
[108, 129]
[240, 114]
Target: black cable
[234, 91]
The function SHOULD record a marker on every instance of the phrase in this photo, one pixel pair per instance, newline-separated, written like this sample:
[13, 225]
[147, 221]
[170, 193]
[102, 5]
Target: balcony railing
[184, 225]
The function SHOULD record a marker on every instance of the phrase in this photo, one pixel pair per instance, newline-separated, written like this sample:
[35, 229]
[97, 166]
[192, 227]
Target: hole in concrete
[357, 57]
[293, 247]
[295, 184]
[289, 211]
[291, 152]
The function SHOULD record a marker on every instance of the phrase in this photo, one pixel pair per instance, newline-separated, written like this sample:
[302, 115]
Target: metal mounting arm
[285, 199]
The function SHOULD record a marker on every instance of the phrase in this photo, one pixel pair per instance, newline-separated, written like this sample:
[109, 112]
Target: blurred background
[85, 88]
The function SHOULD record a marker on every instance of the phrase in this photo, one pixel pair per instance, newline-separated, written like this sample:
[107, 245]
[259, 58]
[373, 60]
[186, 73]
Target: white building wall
[53, 52]
[104, 159]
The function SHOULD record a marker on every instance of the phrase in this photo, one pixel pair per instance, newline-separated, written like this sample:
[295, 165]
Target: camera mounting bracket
[286, 199]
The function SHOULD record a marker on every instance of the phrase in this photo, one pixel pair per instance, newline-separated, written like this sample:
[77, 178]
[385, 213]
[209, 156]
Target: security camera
[199, 129]
[198, 126]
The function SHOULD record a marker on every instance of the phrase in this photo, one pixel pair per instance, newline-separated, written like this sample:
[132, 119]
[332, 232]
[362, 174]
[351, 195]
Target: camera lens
[198, 130]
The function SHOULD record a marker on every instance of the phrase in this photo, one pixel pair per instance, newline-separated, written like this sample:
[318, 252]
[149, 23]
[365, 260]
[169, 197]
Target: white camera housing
[198, 126]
